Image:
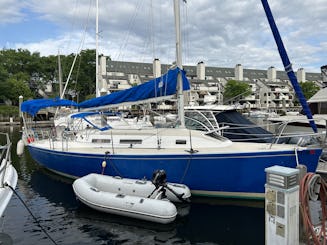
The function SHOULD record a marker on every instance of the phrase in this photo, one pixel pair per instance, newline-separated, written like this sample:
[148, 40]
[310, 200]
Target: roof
[210, 71]
[320, 96]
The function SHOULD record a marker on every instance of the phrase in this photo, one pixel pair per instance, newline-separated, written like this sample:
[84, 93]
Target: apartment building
[269, 88]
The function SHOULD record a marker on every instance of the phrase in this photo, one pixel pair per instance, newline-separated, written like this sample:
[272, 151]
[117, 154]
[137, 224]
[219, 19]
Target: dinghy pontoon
[147, 200]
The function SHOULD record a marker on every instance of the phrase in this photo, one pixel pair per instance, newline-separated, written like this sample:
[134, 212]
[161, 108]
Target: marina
[208, 165]
[100, 176]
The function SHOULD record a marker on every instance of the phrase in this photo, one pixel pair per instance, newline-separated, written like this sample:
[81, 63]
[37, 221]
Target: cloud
[10, 11]
[220, 33]
[66, 44]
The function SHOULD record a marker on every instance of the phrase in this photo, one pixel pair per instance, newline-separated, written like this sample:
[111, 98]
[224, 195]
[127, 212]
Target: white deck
[149, 143]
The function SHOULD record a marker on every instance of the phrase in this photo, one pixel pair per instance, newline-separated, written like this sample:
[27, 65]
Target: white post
[20, 101]
[219, 93]
[282, 206]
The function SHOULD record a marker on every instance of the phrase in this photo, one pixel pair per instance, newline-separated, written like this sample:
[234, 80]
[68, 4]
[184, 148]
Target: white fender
[20, 147]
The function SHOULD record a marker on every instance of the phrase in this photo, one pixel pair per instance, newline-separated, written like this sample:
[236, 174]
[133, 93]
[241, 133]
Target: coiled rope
[35, 219]
[312, 187]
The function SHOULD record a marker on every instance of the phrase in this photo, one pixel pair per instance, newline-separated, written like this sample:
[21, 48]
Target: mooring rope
[306, 192]
[186, 169]
[112, 164]
[296, 157]
[36, 220]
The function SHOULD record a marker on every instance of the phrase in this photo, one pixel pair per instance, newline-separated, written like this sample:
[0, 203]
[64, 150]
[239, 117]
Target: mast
[60, 76]
[180, 96]
[97, 87]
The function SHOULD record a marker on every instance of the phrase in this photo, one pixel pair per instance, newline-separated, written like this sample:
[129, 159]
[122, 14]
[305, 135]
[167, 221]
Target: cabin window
[180, 142]
[130, 141]
[100, 140]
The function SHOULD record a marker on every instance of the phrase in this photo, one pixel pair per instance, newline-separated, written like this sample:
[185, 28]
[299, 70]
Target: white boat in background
[8, 175]
[133, 198]
[77, 121]
[300, 123]
[260, 114]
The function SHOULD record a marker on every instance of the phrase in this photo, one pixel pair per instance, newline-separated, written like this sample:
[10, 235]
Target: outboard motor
[159, 178]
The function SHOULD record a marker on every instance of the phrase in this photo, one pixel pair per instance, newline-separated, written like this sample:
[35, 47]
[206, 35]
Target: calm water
[52, 201]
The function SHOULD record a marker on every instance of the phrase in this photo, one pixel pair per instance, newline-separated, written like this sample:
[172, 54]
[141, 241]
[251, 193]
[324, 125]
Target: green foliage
[309, 89]
[18, 65]
[11, 111]
[18, 86]
[235, 89]
[4, 89]
[85, 78]
[24, 73]
[89, 96]
[3, 74]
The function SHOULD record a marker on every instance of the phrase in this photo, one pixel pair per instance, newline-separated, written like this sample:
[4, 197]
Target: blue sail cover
[287, 64]
[158, 87]
[33, 106]
[88, 114]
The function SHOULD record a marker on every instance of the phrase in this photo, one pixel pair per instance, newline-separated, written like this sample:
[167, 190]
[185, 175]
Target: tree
[85, 74]
[3, 74]
[82, 79]
[18, 86]
[309, 89]
[40, 71]
[235, 90]
[4, 90]
[4, 86]
[18, 62]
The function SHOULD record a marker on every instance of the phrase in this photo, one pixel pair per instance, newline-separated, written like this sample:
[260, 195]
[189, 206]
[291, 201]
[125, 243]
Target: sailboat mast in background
[97, 87]
[180, 95]
[60, 76]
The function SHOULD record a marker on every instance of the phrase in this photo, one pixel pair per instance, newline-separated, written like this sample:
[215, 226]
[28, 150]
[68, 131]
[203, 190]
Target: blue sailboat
[209, 166]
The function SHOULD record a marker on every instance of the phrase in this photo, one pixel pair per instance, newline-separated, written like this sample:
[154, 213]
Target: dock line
[36, 220]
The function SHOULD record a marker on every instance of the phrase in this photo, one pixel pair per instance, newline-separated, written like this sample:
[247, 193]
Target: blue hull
[229, 175]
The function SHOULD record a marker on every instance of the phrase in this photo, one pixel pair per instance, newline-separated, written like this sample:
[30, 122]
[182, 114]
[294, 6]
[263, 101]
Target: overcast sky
[220, 33]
